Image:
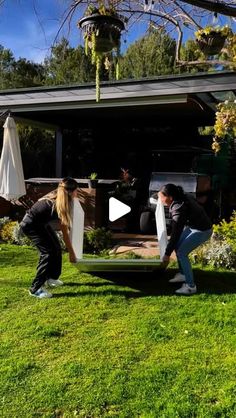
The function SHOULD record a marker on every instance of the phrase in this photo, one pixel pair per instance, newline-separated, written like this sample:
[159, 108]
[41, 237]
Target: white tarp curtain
[12, 185]
[161, 228]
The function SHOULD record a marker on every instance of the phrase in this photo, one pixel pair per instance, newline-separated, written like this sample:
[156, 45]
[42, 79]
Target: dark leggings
[50, 255]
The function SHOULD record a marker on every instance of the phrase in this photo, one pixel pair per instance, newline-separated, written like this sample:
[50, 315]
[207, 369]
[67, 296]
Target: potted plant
[102, 27]
[93, 180]
[225, 124]
[211, 39]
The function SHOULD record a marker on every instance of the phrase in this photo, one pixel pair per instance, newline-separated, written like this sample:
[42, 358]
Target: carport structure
[186, 101]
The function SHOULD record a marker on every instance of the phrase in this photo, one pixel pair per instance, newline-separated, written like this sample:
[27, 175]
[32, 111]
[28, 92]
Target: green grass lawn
[115, 346]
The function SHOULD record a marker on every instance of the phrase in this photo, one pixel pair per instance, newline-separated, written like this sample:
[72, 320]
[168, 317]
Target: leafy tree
[18, 73]
[38, 151]
[7, 62]
[191, 53]
[68, 65]
[27, 73]
[151, 55]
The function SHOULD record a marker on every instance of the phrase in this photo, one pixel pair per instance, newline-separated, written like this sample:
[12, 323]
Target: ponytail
[63, 203]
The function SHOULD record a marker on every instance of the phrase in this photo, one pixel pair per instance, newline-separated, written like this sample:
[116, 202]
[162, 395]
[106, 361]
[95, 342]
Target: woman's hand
[72, 257]
[166, 260]
[66, 238]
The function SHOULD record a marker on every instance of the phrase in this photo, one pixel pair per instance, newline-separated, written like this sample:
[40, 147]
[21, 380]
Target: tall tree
[18, 73]
[7, 62]
[68, 65]
[27, 73]
[149, 56]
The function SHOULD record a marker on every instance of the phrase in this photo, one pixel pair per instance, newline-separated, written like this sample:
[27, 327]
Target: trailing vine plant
[102, 27]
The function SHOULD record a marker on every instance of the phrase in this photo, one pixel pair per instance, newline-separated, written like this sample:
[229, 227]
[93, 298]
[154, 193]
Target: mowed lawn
[115, 346]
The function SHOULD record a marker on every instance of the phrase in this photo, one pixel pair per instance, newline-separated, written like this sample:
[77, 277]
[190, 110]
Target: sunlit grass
[115, 346]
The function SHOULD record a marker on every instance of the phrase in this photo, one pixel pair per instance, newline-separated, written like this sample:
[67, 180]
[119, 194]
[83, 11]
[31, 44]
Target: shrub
[6, 232]
[4, 221]
[220, 251]
[215, 253]
[97, 240]
[226, 231]
[18, 236]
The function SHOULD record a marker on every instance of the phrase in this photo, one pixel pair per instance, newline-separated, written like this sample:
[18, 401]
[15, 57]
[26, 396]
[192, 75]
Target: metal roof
[177, 93]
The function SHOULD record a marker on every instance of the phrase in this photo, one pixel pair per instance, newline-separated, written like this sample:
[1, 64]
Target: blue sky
[29, 27]
[29, 34]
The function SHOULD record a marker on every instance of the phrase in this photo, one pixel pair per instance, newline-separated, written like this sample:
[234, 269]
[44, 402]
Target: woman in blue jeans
[190, 227]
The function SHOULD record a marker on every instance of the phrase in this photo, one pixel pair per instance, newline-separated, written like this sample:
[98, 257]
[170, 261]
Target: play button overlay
[117, 209]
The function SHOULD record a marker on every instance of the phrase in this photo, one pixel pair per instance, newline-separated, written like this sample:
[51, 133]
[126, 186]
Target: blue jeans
[189, 239]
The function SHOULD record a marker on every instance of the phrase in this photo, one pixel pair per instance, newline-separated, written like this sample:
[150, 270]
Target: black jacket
[183, 213]
[41, 213]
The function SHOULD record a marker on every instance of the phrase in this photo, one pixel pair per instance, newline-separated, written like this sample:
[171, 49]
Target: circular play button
[117, 209]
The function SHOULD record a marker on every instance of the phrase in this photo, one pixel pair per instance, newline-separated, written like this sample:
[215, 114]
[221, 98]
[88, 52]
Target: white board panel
[77, 229]
[161, 228]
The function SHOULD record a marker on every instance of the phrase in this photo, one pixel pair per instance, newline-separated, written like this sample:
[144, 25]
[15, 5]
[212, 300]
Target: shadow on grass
[153, 284]
[133, 285]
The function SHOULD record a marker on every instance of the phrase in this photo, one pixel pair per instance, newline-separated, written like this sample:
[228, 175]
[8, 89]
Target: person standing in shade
[190, 227]
[56, 206]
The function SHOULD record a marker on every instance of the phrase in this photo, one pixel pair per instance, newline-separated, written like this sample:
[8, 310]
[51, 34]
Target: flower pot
[211, 44]
[107, 30]
[93, 183]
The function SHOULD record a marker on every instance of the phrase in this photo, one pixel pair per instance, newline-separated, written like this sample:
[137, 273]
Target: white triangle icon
[117, 209]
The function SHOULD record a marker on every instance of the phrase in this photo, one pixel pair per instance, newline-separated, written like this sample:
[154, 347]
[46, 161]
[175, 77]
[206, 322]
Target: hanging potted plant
[93, 180]
[211, 39]
[102, 27]
[225, 124]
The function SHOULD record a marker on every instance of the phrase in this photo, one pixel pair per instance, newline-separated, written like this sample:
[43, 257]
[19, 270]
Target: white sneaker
[54, 283]
[186, 290]
[178, 278]
[41, 293]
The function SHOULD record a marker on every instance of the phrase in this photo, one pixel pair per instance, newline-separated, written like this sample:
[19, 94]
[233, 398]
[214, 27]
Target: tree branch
[221, 8]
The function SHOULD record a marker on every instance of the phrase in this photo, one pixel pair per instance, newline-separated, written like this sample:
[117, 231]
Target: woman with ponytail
[55, 206]
[190, 227]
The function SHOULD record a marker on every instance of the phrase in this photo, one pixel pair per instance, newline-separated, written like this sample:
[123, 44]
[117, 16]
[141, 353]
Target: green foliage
[7, 230]
[191, 52]
[93, 176]
[68, 65]
[209, 30]
[37, 148]
[97, 240]
[227, 231]
[206, 130]
[217, 254]
[18, 237]
[4, 221]
[19, 73]
[220, 251]
[151, 55]
[10, 232]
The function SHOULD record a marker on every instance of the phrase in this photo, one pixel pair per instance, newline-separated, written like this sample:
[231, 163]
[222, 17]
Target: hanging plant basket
[107, 30]
[212, 43]
[102, 32]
